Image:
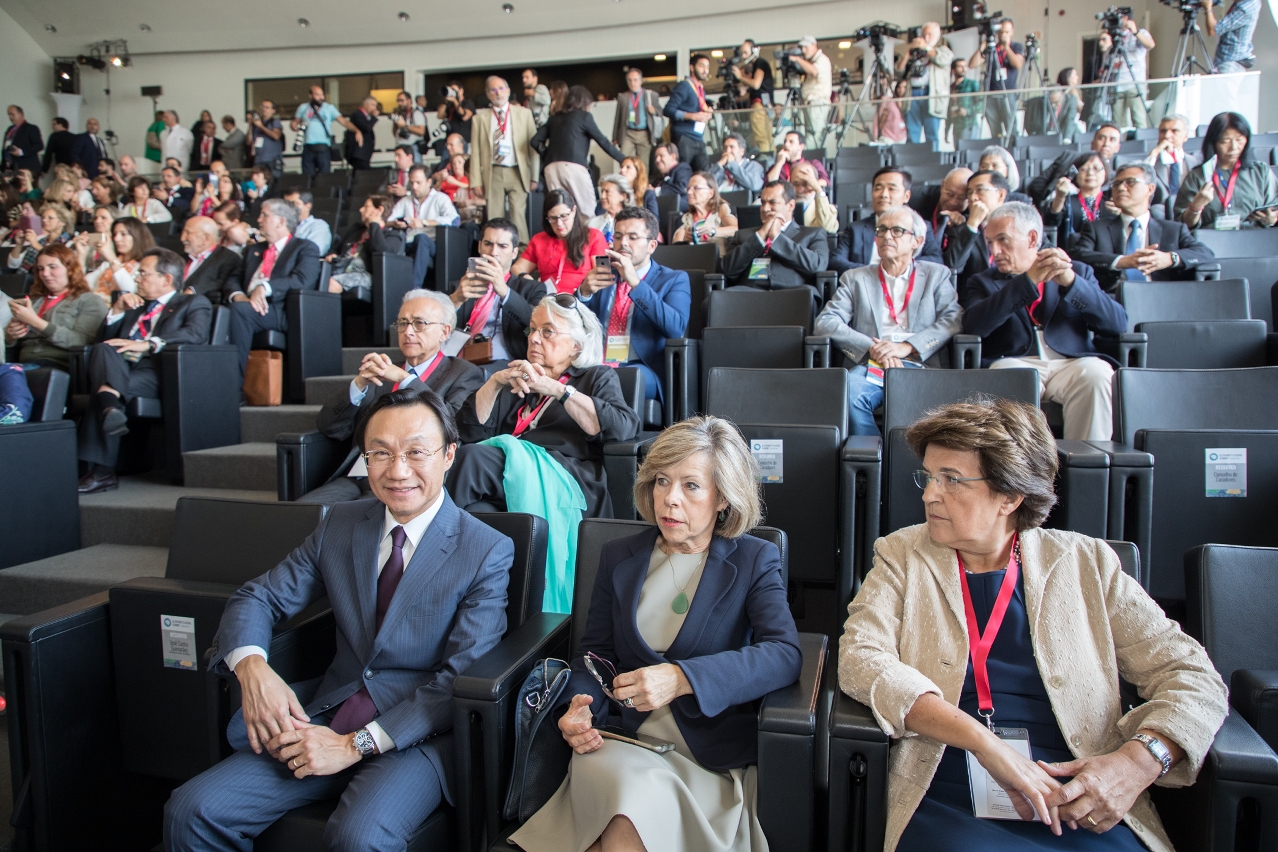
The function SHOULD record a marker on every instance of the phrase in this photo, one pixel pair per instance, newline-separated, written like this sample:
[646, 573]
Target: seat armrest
[304, 461]
[1129, 349]
[1082, 489]
[496, 673]
[1240, 754]
[827, 282]
[715, 281]
[816, 351]
[863, 448]
[682, 379]
[965, 352]
[852, 720]
[79, 368]
[1253, 693]
[1209, 271]
[621, 465]
[1271, 349]
[1131, 497]
[793, 709]
[861, 507]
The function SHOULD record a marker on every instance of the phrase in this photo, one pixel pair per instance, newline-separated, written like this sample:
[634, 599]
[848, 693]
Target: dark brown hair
[575, 242]
[77, 285]
[142, 239]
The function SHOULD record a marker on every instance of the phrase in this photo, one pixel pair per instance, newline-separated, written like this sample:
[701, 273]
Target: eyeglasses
[590, 660]
[562, 217]
[983, 187]
[418, 325]
[1128, 183]
[897, 233]
[416, 457]
[948, 483]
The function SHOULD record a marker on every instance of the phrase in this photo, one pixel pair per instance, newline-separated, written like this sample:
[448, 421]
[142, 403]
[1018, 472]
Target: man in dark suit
[60, 146]
[856, 248]
[89, 149]
[424, 365]
[269, 270]
[965, 248]
[360, 135]
[1038, 309]
[778, 254]
[674, 174]
[22, 143]
[639, 302]
[418, 591]
[1136, 246]
[210, 265]
[176, 196]
[507, 303]
[122, 363]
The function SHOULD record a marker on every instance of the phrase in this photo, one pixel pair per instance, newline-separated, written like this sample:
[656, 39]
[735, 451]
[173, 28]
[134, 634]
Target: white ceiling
[183, 25]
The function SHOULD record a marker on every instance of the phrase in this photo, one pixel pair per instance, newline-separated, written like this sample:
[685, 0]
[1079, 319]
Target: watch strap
[364, 742]
[1157, 749]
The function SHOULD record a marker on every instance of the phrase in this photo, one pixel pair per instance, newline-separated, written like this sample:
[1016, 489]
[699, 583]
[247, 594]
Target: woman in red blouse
[565, 250]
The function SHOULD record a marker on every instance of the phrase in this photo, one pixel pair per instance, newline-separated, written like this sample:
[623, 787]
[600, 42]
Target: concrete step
[140, 511]
[353, 355]
[322, 389]
[248, 466]
[263, 423]
[60, 579]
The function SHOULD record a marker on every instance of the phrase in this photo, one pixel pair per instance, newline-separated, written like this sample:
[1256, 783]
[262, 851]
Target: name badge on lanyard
[618, 350]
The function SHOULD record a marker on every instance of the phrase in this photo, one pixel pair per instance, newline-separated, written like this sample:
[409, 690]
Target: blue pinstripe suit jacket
[449, 609]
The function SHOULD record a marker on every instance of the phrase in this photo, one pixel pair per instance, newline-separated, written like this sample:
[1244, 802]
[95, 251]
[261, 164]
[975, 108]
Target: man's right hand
[269, 704]
[596, 279]
[976, 213]
[127, 301]
[697, 116]
[373, 369]
[470, 287]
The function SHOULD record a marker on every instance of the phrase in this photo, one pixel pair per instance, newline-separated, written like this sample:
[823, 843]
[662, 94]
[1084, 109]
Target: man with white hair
[209, 264]
[176, 141]
[1169, 158]
[929, 76]
[426, 319]
[896, 313]
[1037, 308]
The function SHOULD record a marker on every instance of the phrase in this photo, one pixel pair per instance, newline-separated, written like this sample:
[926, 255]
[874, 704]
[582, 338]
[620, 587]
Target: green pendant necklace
[680, 602]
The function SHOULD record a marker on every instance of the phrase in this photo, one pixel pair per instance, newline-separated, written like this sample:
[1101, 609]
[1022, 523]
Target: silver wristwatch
[569, 390]
[1157, 749]
[364, 743]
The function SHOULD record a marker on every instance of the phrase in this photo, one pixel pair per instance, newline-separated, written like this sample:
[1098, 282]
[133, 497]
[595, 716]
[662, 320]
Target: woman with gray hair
[615, 193]
[688, 628]
[561, 398]
[996, 158]
[991, 650]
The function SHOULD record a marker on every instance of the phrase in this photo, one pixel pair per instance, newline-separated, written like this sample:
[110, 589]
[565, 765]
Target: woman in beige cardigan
[1066, 624]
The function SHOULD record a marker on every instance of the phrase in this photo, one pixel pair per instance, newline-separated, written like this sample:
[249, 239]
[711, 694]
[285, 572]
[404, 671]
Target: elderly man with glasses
[896, 313]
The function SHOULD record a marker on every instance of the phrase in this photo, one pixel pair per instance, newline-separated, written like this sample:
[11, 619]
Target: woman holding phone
[564, 251]
[57, 314]
[121, 258]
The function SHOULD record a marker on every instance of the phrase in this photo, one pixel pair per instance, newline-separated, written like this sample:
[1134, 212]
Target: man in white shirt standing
[176, 141]
[418, 214]
[818, 83]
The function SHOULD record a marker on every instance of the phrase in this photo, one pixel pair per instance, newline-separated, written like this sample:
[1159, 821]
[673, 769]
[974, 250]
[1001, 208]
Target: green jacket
[72, 322]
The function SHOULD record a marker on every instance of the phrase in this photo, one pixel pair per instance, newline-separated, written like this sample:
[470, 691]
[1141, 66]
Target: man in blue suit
[418, 590]
[689, 113]
[639, 302]
[88, 149]
[1036, 308]
[890, 188]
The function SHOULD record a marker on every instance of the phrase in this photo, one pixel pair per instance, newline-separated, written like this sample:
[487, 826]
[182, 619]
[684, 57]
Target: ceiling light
[403, 17]
[844, 45]
[50, 28]
[507, 8]
[660, 57]
[303, 23]
[717, 54]
[146, 28]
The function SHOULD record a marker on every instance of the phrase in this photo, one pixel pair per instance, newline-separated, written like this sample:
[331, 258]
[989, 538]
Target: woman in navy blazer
[688, 629]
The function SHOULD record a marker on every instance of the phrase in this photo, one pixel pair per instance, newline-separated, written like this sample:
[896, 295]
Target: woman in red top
[564, 251]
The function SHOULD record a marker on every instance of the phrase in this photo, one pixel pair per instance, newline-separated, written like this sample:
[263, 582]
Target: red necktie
[268, 262]
[620, 315]
[358, 710]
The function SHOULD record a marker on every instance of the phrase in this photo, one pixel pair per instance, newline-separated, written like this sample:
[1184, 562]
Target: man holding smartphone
[419, 212]
[492, 304]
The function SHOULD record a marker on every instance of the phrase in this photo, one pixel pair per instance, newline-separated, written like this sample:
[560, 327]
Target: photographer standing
[927, 66]
[965, 112]
[1009, 56]
[410, 124]
[1127, 97]
[755, 73]
[458, 110]
[1234, 52]
[818, 82]
[315, 119]
[266, 138]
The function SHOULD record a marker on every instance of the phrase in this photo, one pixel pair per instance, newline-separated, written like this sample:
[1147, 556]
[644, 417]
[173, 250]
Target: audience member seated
[876, 320]
[614, 194]
[122, 254]
[121, 365]
[1059, 625]
[269, 270]
[1136, 246]
[58, 224]
[1230, 189]
[425, 321]
[16, 401]
[58, 313]
[996, 158]
[789, 155]
[636, 171]
[639, 302]
[674, 174]
[698, 485]
[1079, 202]
[565, 250]
[564, 145]
[453, 145]
[417, 215]
[1171, 162]
[945, 204]
[210, 267]
[381, 744]
[709, 217]
[396, 186]
[142, 205]
[352, 262]
[105, 192]
[889, 123]
[453, 181]
[965, 246]
[1036, 308]
[492, 304]
[89, 245]
[236, 233]
[892, 187]
[780, 253]
[260, 186]
[1106, 141]
[308, 227]
[812, 209]
[733, 171]
[561, 400]
[212, 190]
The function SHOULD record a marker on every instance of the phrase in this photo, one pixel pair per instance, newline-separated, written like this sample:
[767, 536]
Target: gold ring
[1092, 821]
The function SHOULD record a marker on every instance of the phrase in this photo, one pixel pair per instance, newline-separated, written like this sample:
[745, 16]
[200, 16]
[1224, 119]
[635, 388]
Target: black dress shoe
[93, 482]
[115, 422]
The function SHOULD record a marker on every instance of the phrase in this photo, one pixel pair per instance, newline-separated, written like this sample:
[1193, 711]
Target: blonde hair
[736, 476]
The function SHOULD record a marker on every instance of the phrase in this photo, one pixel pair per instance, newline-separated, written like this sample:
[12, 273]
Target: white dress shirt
[504, 150]
[434, 207]
[413, 531]
[177, 142]
[264, 281]
[897, 285]
[114, 317]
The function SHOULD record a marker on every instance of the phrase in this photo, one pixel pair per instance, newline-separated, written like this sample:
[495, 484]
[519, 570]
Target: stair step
[353, 355]
[141, 510]
[323, 389]
[61, 579]
[263, 423]
[249, 466]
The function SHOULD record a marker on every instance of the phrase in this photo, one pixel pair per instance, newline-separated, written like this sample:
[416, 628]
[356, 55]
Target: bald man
[361, 133]
[209, 265]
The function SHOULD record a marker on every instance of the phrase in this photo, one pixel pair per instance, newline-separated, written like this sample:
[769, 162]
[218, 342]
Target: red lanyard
[424, 375]
[523, 421]
[887, 294]
[417, 206]
[979, 643]
[1090, 212]
[1002, 56]
[1225, 195]
[1034, 304]
[701, 94]
[503, 118]
[145, 321]
[49, 302]
[199, 258]
[479, 313]
[634, 104]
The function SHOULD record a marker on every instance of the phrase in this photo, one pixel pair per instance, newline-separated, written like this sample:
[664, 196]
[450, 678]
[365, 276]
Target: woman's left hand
[651, 687]
[527, 377]
[1266, 217]
[1103, 788]
[23, 312]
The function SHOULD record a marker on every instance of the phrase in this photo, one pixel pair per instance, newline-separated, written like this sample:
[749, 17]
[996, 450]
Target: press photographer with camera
[410, 124]
[266, 137]
[314, 122]
[753, 70]
[1124, 59]
[457, 109]
[927, 67]
[1008, 57]
[818, 83]
[1234, 51]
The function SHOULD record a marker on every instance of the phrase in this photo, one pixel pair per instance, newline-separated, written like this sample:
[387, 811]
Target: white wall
[27, 72]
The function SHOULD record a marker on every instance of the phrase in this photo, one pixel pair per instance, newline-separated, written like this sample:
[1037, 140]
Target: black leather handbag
[541, 754]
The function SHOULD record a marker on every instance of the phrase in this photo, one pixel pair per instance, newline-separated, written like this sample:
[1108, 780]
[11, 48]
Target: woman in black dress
[564, 145]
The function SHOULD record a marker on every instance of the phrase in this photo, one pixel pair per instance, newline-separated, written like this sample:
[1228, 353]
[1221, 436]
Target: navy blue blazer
[683, 99]
[994, 307]
[661, 305]
[297, 267]
[737, 644]
[856, 242]
[449, 609]
[84, 152]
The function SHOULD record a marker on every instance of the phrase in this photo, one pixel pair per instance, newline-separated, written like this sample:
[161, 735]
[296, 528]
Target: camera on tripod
[724, 72]
[1112, 19]
[875, 33]
[988, 28]
[1185, 7]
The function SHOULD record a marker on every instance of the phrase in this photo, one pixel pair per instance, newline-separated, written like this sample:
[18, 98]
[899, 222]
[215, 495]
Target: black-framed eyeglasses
[947, 482]
[418, 325]
[896, 232]
[594, 663]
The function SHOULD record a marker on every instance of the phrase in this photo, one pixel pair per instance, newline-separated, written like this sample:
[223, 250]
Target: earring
[723, 515]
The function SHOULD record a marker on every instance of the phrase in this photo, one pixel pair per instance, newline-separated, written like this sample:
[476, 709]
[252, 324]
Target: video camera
[1185, 7]
[988, 28]
[1112, 19]
[725, 68]
[876, 31]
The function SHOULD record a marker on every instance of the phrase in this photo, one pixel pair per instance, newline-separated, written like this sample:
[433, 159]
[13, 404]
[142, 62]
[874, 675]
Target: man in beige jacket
[929, 75]
[503, 165]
